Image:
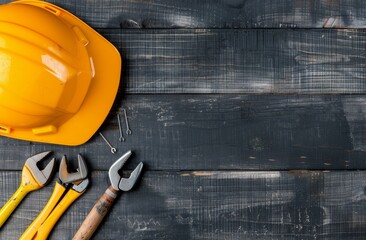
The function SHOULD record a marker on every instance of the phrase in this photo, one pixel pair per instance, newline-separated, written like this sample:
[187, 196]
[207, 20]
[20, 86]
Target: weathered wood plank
[218, 14]
[213, 205]
[183, 132]
[241, 61]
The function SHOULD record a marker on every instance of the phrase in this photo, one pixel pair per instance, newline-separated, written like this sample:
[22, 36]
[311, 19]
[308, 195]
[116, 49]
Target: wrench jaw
[81, 187]
[126, 184]
[80, 174]
[117, 182]
[114, 176]
[41, 176]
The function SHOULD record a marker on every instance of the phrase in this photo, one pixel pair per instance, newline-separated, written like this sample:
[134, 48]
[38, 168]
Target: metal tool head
[119, 183]
[67, 177]
[81, 187]
[42, 176]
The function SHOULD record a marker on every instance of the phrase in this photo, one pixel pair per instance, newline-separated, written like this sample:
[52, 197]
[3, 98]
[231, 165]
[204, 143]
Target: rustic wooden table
[250, 117]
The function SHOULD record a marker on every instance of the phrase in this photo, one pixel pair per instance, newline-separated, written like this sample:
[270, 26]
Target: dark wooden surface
[215, 205]
[219, 13]
[249, 116]
[242, 61]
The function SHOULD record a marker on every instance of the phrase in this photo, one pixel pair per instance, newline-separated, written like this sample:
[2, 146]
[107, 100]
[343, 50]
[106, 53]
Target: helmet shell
[55, 85]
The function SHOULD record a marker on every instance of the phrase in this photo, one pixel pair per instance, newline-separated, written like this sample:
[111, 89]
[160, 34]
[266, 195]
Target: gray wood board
[219, 14]
[226, 131]
[212, 205]
[241, 61]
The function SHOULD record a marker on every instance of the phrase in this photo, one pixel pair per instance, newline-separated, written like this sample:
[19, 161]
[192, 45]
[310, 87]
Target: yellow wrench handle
[28, 184]
[12, 203]
[96, 215]
[31, 231]
[47, 226]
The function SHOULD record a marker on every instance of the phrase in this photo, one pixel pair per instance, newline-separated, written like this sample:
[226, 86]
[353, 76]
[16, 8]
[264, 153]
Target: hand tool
[105, 202]
[121, 138]
[128, 131]
[66, 191]
[113, 149]
[32, 179]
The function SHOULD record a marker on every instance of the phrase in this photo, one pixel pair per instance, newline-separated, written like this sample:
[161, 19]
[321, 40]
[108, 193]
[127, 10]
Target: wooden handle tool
[103, 205]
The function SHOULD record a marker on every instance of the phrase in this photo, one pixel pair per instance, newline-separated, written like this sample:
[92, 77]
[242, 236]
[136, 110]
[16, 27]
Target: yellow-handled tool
[65, 192]
[75, 192]
[32, 179]
[57, 193]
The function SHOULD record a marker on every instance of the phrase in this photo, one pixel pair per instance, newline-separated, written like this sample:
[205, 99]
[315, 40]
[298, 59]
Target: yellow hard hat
[58, 76]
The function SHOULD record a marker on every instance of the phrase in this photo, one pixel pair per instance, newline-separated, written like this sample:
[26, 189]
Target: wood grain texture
[213, 205]
[218, 13]
[223, 96]
[241, 61]
[231, 131]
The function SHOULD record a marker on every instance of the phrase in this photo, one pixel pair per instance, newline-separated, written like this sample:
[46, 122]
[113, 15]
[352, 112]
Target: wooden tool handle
[96, 215]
